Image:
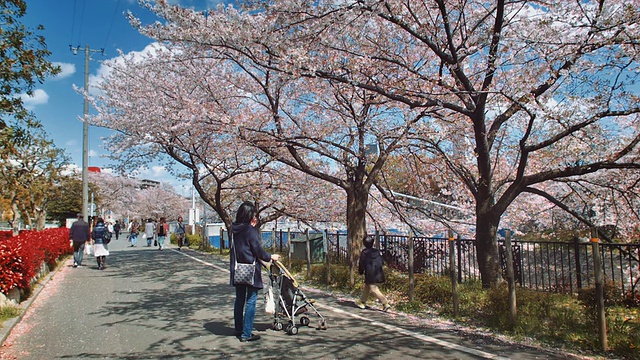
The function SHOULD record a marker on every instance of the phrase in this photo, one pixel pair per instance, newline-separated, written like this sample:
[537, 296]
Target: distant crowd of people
[93, 238]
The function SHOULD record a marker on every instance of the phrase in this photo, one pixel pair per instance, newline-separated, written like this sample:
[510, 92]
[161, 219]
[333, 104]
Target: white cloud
[38, 97]
[71, 169]
[66, 70]
[93, 153]
[105, 66]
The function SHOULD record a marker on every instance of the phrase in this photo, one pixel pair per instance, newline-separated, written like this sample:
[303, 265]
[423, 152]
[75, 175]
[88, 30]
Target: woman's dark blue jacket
[98, 233]
[247, 247]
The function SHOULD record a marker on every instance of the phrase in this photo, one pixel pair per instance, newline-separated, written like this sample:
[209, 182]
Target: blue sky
[102, 25]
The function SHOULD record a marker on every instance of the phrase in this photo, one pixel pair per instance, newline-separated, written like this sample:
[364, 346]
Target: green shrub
[432, 289]
[623, 330]
[560, 320]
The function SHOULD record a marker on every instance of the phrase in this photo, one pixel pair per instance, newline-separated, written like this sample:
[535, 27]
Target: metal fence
[562, 267]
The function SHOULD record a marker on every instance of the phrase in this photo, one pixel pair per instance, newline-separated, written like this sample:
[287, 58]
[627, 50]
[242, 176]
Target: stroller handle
[286, 272]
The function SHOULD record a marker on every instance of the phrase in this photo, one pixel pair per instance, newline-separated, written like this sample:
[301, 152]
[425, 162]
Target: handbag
[243, 273]
[106, 238]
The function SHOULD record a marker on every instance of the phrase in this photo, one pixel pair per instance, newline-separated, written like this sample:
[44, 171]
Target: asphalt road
[150, 304]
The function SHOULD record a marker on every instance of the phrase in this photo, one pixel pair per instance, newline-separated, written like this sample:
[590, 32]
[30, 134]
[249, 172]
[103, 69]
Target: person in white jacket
[150, 231]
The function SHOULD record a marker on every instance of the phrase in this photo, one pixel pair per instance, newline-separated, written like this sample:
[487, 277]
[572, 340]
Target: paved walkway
[171, 304]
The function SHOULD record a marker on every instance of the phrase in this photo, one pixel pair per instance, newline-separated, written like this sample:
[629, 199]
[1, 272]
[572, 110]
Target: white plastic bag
[270, 304]
[88, 249]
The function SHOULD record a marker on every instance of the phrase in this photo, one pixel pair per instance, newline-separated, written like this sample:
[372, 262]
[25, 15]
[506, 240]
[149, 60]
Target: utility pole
[85, 129]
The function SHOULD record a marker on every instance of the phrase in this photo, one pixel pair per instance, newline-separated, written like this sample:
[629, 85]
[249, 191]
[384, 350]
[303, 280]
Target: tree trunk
[357, 200]
[16, 216]
[487, 250]
[41, 219]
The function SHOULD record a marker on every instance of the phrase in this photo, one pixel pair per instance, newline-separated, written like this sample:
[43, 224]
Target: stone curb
[7, 326]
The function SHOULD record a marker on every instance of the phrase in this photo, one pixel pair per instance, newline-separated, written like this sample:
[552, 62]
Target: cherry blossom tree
[512, 97]
[173, 103]
[125, 197]
[538, 111]
[324, 128]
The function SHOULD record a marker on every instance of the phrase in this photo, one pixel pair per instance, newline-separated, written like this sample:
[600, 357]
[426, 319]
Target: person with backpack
[101, 237]
[161, 231]
[371, 267]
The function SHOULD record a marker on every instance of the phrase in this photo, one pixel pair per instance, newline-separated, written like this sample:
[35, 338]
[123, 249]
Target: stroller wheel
[304, 321]
[292, 330]
[278, 326]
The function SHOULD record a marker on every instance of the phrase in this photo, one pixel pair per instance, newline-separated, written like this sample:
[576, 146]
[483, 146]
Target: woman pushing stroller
[247, 249]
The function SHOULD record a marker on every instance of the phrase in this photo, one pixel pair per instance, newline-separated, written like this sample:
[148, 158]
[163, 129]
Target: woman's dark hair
[246, 212]
[368, 242]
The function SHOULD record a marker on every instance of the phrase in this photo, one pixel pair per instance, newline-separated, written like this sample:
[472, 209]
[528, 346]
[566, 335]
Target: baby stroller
[290, 301]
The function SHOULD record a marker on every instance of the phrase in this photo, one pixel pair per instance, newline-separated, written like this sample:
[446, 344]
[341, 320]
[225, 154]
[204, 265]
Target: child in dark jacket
[371, 267]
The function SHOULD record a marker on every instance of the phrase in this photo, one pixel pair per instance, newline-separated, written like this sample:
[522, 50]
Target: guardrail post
[454, 277]
[327, 257]
[412, 280]
[459, 246]
[308, 252]
[513, 310]
[290, 246]
[221, 239]
[576, 251]
[597, 268]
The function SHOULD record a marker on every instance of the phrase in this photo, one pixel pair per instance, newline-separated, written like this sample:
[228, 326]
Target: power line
[73, 21]
[115, 11]
[81, 21]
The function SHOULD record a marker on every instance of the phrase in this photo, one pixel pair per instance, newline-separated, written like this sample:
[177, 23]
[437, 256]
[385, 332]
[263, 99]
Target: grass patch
[8, 312]
[558, 320]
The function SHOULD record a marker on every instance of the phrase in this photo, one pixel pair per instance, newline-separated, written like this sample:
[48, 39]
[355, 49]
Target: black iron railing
[562, 267]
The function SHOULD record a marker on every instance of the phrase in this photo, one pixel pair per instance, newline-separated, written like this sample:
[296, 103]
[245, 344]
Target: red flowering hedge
[21, 256]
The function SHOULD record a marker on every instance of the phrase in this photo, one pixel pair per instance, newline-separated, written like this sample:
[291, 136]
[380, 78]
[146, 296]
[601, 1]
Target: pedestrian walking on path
[161, 231]
[247, 249]
[133, 235]
[181, 232]
[149, 231]
[79, 235]
[117, 228]
[371, 267]
[101, 237]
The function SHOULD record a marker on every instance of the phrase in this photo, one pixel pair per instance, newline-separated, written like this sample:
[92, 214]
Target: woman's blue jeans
[246, 298]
